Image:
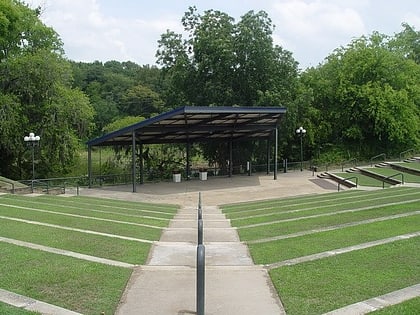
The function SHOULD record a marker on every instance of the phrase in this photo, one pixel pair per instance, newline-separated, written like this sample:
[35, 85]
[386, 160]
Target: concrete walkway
[166, 285]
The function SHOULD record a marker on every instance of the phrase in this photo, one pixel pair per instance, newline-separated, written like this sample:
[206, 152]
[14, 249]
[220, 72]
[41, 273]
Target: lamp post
[301, 132]
[32, 141]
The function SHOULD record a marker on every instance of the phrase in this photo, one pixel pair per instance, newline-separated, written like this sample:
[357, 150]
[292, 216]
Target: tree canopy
[366, 96]
[36, 95]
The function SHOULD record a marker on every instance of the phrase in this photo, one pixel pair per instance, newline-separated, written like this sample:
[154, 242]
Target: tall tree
[366, 98]
[35, 92]
[223, 63]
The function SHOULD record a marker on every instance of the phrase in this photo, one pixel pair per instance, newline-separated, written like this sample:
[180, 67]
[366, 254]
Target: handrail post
[201, 261]
[200, 232]
[200, 279]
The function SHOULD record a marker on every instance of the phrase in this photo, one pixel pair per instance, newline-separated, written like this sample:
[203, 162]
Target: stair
[338, 179]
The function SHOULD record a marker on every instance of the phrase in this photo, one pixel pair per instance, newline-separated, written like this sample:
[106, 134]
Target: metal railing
[348, 178]
[405, 152]
[391, 176]
[201, 261]
[348, 162]
[376, 157]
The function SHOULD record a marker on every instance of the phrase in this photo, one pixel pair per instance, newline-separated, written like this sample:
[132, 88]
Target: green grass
[330, 283]
[414, 165]
[237, 208]
[282, 228]
[85, 287]
[11, 310]
[95, 245]
[234, 211]
[324, 208]
[75, 284]
[108, 214]
[408, 178]
[279, 250]
[123, 229]
[363, 180]
[410, 307]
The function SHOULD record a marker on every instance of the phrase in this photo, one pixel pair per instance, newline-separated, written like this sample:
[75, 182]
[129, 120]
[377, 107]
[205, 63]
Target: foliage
[121, 123]
[118, 89]
[229, 64]
[36, 95]
[366, 98]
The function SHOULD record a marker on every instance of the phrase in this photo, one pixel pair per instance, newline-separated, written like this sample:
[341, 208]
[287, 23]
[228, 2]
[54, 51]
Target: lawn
[289, 228]
[118, 230]
[386, 171]
[330, 283]
[363, 180]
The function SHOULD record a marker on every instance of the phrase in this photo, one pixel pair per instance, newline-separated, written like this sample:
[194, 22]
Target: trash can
[176, 177]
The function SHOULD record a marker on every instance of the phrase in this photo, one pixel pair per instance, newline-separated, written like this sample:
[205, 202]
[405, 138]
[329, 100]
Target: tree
[226, 64]
[141, 101]
[366, 98]
[36, 94]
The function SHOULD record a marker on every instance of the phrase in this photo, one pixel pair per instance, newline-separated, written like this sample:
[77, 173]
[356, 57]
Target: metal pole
[276, 145]
[301, 152]
[200, 232]
[141, 164]
[89, 166]
[200, 279]
[33, 161]
[133, 160]
[268, 155]
[230, 158]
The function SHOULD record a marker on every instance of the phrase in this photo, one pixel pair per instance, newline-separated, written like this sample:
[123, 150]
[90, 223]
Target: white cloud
[88, 34]
[107, 30]
[313, 28]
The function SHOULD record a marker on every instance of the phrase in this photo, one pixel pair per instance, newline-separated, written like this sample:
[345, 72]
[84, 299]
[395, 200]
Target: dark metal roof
[198, 124]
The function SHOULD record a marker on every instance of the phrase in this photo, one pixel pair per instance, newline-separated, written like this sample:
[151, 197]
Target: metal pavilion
[194, 124]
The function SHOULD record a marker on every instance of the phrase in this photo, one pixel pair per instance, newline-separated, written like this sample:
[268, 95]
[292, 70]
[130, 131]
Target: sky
[128, 30]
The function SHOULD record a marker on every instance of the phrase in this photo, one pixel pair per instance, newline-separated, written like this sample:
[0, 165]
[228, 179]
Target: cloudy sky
[129, 29]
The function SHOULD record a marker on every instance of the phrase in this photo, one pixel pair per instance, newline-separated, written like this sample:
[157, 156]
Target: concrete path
[167, 284]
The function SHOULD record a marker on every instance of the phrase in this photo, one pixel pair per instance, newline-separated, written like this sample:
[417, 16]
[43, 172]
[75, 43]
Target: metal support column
[268, 156]
[230, 158]
[141, 164]
[90, 166]
[133, 161]
[276, 148]
[187, 167]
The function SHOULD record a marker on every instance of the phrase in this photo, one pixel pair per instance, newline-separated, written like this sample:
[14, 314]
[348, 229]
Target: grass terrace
[364, 180]
[120, 232]
[408, 178]
[327, 251]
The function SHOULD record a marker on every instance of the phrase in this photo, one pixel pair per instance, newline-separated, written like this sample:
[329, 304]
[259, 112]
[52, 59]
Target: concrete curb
[30, 304]
[379, 302]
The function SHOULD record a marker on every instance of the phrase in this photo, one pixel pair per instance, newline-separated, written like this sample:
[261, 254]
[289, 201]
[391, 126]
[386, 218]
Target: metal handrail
[348, 161]
[347, 178]
[404, 152]
[377, 156]
[201, 263]
[391, 176]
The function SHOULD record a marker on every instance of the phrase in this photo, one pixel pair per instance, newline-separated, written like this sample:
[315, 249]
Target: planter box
[176, 178]
[203, 176]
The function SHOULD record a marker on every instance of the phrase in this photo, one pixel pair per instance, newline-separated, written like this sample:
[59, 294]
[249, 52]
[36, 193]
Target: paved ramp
[166, 285]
